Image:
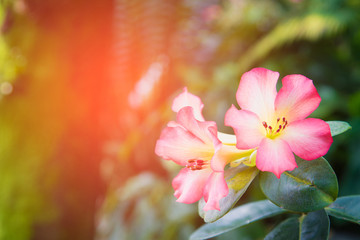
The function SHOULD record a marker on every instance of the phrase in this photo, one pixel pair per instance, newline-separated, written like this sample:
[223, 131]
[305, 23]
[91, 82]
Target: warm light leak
[147, 83]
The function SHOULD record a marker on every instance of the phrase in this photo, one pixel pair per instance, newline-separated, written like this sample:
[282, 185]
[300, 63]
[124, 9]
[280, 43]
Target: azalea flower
[193, 143]
[275, 122]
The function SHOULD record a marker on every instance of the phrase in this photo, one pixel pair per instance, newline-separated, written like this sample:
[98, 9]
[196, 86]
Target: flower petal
[206, 131]
[227, 154]
[179, 145]
[173, 124]
[309, 138]
[228, 139]
[257, 92]
[215, 189]
[275, 155]
[187, 99]
[247, 127]
[297, 98]
[189, 185]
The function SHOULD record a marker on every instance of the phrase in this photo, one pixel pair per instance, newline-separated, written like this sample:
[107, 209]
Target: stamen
[271, 132]
[270, 129]
[200, 162]
[286, 122]
[196, 164]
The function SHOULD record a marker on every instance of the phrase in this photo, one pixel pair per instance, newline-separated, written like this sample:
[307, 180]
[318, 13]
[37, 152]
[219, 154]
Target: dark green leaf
[315, 225]
[347, 208]
[338, 127]
[238, 217]
[287, 230]
[311, 186]
[255, 230]
[238, 180]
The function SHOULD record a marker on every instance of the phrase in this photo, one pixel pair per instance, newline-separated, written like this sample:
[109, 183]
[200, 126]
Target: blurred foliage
[140, 211]
[48, 172]
[11, 58]
[24, 189]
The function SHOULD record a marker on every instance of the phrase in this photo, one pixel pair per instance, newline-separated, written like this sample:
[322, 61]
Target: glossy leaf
[315, 225]
[287, 230]
[338, 127]
[238, 180]
[347, 208]
[238, 217]
[310, 187]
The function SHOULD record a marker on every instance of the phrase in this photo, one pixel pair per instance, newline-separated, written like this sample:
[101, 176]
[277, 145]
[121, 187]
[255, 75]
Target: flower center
[272, 132]
[196, 164]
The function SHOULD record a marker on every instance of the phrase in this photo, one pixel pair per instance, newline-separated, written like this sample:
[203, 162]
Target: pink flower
[275, 122]
[193, 143]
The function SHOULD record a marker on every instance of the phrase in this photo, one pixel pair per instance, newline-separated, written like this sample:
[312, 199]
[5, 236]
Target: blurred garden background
[86, 87]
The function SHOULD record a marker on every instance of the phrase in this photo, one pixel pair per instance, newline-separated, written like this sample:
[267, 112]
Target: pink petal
[173, 124]
[206, 131]
[257, 92]
[189, 185]
[215, 189]
[297, 98]
[247, 126]
[309, 138]
[222, 157]
[187, 99]
[179, 145]
[275, 155]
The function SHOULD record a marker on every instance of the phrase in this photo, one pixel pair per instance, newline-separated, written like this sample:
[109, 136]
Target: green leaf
[315, 225]
[338, 127]
[311, 186]
[238, 217]
[287, 230]
[238, 180]
[347, 208]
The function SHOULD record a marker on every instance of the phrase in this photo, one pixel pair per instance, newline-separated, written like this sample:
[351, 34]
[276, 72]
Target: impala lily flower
[275, 122]
[193, 143]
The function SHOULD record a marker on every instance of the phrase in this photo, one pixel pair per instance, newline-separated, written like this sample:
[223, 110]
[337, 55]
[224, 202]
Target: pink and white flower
[193, 143]
[275, 122]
